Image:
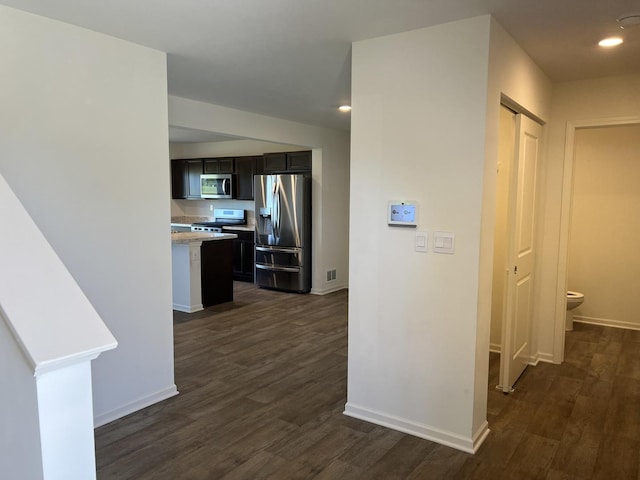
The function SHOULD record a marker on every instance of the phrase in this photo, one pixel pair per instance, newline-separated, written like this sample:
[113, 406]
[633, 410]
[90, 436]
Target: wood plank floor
[262, 386]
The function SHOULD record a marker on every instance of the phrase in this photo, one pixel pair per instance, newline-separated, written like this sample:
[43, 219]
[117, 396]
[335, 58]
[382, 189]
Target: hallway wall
[425, 126]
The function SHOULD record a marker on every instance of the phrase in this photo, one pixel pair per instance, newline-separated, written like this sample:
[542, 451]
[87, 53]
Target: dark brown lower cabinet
[243, 256]
[216, 259]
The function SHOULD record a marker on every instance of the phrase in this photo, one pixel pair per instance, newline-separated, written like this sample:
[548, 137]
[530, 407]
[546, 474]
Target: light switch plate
[444, 242]
[422, 241]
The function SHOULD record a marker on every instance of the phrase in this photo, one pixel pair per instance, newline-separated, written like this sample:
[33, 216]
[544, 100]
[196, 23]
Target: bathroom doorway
[599, 226]
[603, 261]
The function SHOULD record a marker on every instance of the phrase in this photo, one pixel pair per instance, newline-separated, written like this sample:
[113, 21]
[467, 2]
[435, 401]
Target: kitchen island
[202, 269]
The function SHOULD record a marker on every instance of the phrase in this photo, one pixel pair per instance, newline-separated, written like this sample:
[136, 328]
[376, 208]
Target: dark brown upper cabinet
[218, 165]
[245, 169]
[185, 178]
[287, 162]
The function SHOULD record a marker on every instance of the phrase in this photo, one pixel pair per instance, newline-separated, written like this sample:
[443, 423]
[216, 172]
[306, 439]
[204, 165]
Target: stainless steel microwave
[216, 186]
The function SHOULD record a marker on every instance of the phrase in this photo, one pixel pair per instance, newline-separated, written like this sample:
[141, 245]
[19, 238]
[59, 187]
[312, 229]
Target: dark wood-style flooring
[262, 386]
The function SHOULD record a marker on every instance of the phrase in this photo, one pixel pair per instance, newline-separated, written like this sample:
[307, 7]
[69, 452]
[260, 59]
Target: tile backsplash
[204, 208]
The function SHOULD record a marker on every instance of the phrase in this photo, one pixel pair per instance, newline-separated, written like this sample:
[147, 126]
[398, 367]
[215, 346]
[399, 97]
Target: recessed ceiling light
[629, 20]
[610, 42]
[344, 108]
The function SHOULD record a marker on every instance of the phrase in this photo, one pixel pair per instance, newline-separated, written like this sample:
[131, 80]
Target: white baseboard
[449, 439]
[187, 308]
[103, 419]
[326, 291]
[533, 360]
[605, 322]
[545, 357]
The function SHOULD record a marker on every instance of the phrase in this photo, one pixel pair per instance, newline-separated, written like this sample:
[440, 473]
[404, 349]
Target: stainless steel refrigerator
[283, 232]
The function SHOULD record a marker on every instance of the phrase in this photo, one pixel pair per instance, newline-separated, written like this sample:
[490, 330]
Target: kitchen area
[240, 218]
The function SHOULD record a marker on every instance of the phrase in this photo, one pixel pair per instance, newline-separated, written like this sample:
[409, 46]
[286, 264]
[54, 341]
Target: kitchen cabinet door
[216, 262]
[185, 178]
[287, 162]
[243, 256]
[299, 161]
[218, 165]
[274, 163]
[245, 169]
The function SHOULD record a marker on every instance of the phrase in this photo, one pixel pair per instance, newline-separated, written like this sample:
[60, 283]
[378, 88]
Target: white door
[516, 327]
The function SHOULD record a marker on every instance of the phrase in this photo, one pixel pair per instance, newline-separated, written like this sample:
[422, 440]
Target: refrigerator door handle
[277, 269]
[275, 219]
[277, 249]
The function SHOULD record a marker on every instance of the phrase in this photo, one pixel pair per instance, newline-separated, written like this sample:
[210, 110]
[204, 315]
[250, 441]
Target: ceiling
[292, 58]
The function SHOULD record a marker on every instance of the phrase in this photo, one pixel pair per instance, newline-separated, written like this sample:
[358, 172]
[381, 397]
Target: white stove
[222, 217]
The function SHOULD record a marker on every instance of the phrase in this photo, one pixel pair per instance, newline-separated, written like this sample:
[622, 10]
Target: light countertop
[190, 237]
[240, 228]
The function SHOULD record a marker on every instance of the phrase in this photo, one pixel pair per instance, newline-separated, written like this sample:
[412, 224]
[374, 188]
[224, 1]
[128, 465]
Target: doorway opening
[603, 226]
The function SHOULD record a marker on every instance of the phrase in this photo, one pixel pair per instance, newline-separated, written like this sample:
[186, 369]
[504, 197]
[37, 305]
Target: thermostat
[403, 213]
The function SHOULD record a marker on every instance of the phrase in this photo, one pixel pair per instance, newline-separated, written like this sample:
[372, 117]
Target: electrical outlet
[331, 275]
[211, 207]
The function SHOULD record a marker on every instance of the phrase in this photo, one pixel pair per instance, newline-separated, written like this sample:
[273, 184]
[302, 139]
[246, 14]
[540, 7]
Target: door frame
[565, 220]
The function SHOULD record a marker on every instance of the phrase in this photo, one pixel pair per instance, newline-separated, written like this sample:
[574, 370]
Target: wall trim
[515, 107]
[534, 360]
[565, 216]
[449, 439]
[606, 322]
[139, 404]
[545, 357]
[187, 308]
[326, 291]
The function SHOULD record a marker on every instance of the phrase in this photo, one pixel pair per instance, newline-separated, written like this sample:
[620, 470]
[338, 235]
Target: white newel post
[65, 410]
[49, 333]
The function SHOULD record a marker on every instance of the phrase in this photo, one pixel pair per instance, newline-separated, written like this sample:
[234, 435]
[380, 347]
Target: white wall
[605, 226]
[425, 126]
[330, 174]
[229, 148]
[419, 101]
[84, 145]
[597, 101]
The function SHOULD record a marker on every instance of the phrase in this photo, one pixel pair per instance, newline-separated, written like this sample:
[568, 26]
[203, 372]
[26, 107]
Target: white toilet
[574, 299]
